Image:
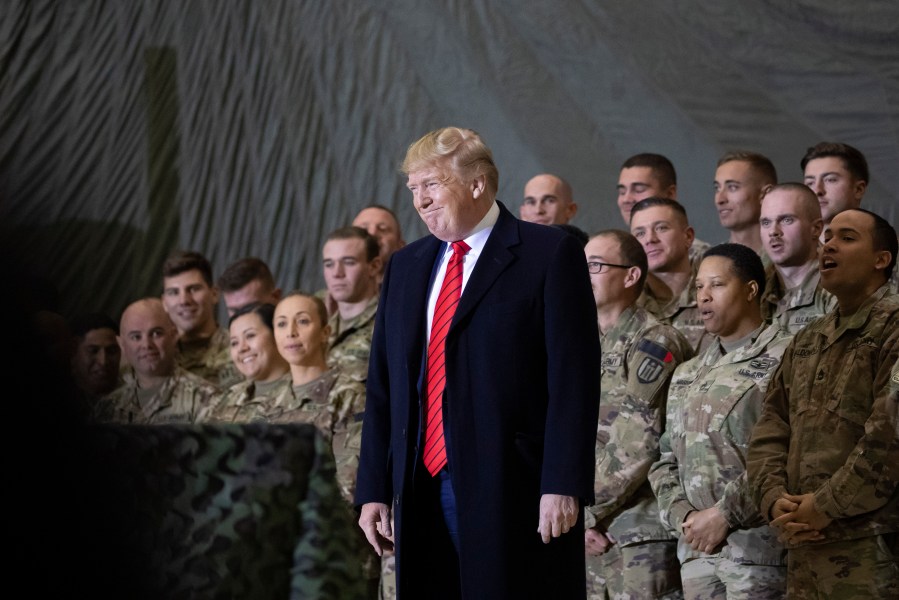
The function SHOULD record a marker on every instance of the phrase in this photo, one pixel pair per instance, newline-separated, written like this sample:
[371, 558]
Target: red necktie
[434, 455]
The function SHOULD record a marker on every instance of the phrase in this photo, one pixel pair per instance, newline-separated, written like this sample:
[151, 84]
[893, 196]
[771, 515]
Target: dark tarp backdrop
[130, 128]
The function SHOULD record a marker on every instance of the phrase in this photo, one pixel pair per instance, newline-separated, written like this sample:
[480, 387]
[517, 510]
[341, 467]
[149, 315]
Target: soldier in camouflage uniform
[639, 356]
[332, 400]
[726, 549]
[190, 298]
[662, 228]
[824, 457]
[791, 224]
[155, 390]
[351, 264]
[741, 180]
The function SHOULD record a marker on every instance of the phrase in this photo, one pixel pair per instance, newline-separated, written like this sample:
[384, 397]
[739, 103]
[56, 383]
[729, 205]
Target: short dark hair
[745, 262]
[853, 160]
[265, 311]
[660, 165]
[884, 238]
[243, 271]
[182, 261]
[82, 324]
[632, 252]
[759, 162]
[352, 232]
[656, 201]
[573, 230]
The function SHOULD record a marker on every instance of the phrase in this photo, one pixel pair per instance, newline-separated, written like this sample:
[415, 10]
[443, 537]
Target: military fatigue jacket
[182, 398]
[830, 425]
[350, 343]
[638, 359]
[714, 401]
[795, 308]
[251, 401]
[681, 312]
[210, 359]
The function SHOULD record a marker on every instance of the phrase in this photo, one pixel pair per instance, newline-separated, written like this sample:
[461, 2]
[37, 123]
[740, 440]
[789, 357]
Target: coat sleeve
[573, 375]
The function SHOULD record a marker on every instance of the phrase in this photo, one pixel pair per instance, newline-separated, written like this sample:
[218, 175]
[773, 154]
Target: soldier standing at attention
[623, 528]
[726, 548]
[824, 457]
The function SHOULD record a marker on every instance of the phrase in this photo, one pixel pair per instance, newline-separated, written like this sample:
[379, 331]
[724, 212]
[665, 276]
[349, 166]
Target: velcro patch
[655, 350]
[649, 370]
[766, 362]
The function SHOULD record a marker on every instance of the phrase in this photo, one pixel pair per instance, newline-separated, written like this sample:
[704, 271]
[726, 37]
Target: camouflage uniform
[350, 343]
[795, 308]
[210, 359]
[249, 401]
[639, 357]
[697, 250]
[714, 400]
[830, 428]
[681, 312]
[182, 398]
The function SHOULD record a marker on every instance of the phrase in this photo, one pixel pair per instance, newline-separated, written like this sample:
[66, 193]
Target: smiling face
[836, 188]
[450, 208]
[547, 200]
[738, 194]
[253, 349]
[727, 304]
[190, 302]
[300, 334]
[639, 183]
[148, 339]
[96, 361]
[665, 235]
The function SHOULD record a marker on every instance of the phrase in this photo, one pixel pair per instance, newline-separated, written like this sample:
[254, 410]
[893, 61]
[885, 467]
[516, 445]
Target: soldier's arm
[870, 475]
[633, 444]
[770, 442]
[666, 484]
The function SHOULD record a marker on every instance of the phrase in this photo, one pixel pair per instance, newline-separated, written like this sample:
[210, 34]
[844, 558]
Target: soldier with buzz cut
[824, 457]
[629, 552]
[725, 547]
[156, 390]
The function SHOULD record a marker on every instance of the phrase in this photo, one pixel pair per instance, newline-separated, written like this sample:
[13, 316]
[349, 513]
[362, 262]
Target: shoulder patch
[655, 350]
[649, 370]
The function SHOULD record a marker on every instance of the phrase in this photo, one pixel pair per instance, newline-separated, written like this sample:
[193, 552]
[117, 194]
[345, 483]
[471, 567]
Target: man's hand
[596, 542]
[375, 522]
[558, 514]
[803, 524]
[705, 529]
[781, 507]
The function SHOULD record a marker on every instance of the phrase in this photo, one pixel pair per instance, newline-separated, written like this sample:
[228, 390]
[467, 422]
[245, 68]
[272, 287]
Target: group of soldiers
[747, 443]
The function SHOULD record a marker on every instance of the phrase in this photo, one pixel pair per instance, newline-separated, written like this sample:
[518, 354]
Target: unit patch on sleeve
[653, 365]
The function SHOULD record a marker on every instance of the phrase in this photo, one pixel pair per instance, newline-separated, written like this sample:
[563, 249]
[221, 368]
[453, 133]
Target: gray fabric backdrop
[129, 128]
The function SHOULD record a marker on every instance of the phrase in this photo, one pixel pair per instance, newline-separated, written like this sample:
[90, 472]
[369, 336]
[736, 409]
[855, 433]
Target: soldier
[156, 389]
[650, 175]
[661, 226]
[639, 356]
[328, 398]
[791, 224]
[266, 374]
[741, 181]
[824, 457]
[380, 222]
[95, 364]
[725, 548]
[547, 200]
[190, 298]
[351, 264]
[247, 281]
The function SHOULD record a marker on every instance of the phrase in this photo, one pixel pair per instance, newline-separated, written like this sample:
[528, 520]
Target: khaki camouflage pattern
[645, 570]
[830, 424]
[681, 312]
[388, 577]
[845, 570]
[223, 511]
[714, 401]
[250, 401]
[795, 308]
[717, 578]
[182, 398]
[210, 359]
[697, 250]
[639, 357]
[350, 343]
